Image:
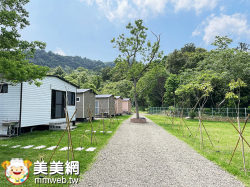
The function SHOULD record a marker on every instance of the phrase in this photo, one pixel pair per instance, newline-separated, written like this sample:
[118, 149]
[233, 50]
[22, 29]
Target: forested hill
[53, 60]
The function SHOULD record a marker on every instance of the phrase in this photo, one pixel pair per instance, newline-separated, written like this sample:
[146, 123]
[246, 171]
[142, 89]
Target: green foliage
[189, 47]
[53, 60]
[171, 85]
[14, 67]
[187, 57]
[222, 42]
[192, 114]
[97, 81]
[132, 47]
[106, 73]
[121, 88]
[248, 108]
[59, 71]
[238, 85]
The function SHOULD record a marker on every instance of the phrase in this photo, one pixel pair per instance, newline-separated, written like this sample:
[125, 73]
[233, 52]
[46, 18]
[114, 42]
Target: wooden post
[240, 138]
[201, 138]
[69, 136]
[242, 145]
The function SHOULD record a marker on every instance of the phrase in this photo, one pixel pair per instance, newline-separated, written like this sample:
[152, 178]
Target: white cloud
[198, 5]
[196, 32]
[234, 25]
[89, 2]
[222, 8]
[124, 9]
[120, 12]
[154, 5]
[59, 51]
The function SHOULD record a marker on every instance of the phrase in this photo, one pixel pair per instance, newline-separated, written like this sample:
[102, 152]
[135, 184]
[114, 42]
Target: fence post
[227, 112]
[187, 112]
[245, 112]
[212, 113]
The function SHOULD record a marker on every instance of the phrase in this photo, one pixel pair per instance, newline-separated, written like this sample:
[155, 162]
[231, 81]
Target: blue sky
[85, 27]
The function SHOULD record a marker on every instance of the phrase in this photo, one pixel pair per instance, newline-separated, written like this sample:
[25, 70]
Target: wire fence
[207, 112]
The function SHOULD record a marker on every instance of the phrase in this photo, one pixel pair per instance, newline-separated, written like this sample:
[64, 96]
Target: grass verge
[51, 138]
[224, 138]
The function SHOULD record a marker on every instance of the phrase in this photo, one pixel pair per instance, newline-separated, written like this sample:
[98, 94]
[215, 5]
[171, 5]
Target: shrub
[192, 114]
[248, 108]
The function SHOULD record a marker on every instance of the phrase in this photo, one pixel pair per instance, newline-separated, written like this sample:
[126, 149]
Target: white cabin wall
[10, 103]
[36, 103]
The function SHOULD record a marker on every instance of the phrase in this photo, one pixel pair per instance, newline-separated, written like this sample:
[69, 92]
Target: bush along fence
[207, 112]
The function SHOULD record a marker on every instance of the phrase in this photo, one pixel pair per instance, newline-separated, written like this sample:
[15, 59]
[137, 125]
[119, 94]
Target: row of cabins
[89, 103]
[26, 105]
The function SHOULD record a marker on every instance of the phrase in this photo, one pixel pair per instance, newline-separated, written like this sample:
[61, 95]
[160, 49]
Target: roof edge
[63, 80]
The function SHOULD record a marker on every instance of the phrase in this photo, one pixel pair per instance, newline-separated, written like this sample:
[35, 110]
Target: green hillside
[53, 60]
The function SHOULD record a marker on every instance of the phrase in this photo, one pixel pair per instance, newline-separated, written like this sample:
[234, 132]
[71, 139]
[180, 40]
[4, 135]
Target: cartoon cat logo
[17, 170]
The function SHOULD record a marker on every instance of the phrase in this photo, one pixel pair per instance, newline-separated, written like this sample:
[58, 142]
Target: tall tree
[106, 73]
[230, 64]
[14, 67]
[59, 71]
[131, 48]
[171, 85]
[189, 47]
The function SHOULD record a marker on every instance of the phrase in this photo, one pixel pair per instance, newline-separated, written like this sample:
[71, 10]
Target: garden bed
[141, 120]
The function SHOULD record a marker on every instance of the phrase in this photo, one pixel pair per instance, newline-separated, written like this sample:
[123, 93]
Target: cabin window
[96, 107]
[3, 88]
[71, 98]
[58, 104]
[78, 99]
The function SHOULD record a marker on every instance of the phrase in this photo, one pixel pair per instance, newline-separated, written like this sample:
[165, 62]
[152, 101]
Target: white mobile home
[30, 105]
[104, 104]
[85, 99]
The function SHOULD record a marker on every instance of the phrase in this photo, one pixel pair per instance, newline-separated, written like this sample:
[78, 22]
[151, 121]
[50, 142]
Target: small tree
[200, 87]
[131, 48]
[238, 85]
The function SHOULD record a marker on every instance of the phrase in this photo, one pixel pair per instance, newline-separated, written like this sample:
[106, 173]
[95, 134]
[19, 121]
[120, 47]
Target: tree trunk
[136, 103]
[174, 100]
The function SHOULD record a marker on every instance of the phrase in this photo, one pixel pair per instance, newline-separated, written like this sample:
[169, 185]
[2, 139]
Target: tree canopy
[14, 67]
[131, 48]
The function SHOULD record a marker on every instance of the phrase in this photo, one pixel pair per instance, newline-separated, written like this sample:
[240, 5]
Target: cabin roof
[117, 97]
[85, 90]
[63, 80]
[126, 99]
[103, 96]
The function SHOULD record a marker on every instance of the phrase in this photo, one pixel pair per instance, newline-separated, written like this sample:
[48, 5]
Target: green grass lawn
[224, 138]
[51, 138]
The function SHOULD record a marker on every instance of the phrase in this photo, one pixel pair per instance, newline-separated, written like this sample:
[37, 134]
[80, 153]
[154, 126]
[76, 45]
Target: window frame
[78, 100]
[70, 99]
[54, 104]
[2, 88]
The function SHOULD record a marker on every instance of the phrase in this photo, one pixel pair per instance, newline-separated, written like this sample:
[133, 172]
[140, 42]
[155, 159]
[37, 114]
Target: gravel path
[147, 155]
